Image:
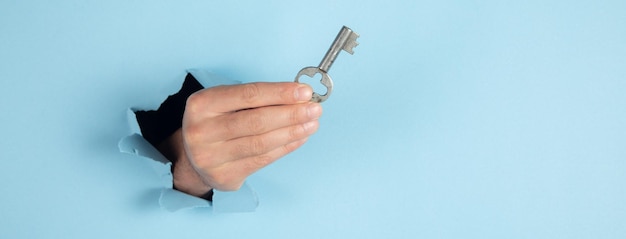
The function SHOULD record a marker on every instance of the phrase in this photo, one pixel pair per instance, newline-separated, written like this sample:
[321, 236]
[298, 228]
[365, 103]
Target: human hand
[230, 132]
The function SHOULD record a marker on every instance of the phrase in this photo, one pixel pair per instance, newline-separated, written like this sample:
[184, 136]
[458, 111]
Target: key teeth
[351, 43]
[349, 47]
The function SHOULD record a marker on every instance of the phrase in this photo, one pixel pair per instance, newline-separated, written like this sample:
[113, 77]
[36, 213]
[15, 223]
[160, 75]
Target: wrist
[187, 180]
[185, 177]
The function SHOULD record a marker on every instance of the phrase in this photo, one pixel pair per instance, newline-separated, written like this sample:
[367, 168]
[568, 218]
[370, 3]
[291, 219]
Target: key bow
[345, 40]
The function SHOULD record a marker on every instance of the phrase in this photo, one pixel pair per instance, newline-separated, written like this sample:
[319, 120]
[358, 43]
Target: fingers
[260, 120]
[249, 122]
[231, 98]
[221, 140]
[251, 146]
[236, 160]
[232, 175]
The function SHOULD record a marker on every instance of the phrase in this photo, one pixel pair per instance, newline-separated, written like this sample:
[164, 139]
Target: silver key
[345, 40]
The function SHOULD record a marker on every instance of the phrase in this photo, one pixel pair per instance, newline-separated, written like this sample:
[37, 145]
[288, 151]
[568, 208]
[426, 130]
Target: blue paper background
[454, 119]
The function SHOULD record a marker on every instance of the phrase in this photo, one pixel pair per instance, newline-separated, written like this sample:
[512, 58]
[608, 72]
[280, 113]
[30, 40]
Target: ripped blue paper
[135, 144]
[236, 201]
[243, 200]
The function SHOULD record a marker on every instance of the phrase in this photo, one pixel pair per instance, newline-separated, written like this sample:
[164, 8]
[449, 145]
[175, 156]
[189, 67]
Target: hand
[230, 132]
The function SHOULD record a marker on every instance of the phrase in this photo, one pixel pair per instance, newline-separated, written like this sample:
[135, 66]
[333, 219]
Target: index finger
[223, 99]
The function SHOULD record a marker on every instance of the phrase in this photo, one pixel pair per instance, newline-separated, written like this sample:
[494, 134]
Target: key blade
[351, 42]
[345, 40]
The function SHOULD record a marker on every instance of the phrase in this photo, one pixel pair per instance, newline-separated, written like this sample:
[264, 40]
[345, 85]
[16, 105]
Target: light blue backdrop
[454, 119]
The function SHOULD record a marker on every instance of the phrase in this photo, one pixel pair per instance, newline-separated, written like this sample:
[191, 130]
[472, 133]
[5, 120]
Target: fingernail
[309, 126]
[314, 110]
[303, 93]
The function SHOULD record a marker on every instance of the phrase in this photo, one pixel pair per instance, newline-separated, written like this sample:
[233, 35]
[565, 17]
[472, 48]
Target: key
[345, 40]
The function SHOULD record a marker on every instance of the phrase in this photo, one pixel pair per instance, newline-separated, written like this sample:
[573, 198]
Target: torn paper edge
[243, 200]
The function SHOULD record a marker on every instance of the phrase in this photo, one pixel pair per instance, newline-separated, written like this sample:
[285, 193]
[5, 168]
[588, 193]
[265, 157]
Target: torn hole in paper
[243, 200]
